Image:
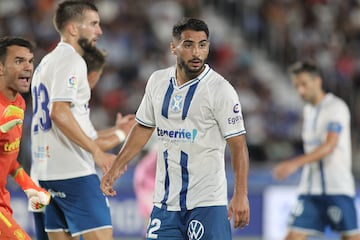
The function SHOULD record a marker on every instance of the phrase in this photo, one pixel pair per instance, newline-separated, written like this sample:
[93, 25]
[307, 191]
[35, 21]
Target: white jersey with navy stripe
[191, 122]
[60, 76]
[333, 174]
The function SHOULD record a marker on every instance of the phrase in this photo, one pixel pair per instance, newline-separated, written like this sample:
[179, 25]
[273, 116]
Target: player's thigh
[352, 237]
[61, 236]
[10, 229]
[77, 206]
[341, 213]
[307, 216]
[100, 234]
[210, 223]
[164, 225]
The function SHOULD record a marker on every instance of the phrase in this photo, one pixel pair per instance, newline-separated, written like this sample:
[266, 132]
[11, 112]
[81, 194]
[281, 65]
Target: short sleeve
[227, 110]
[145, 113]
[67, 79]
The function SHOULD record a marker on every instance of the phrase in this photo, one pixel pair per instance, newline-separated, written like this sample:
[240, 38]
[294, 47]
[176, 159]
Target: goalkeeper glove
[38, 196]
[11, 117]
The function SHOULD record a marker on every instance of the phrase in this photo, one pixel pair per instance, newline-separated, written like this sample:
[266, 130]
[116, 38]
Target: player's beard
[85, 44]
[190, 72]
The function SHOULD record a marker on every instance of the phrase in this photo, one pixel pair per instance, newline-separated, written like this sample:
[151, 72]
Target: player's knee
[292, 235]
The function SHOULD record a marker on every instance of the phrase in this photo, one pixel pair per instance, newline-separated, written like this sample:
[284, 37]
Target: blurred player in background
[195, 112]
[327, 189]
[16, 69]
[63, 139]
[108, 138]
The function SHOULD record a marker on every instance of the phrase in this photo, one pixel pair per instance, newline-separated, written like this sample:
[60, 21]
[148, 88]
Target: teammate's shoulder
[335, 100]
[162, 75]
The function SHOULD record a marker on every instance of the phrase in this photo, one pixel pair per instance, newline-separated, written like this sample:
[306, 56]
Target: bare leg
[293, 235]
[100, 234]
[61, 236]
[352, 237]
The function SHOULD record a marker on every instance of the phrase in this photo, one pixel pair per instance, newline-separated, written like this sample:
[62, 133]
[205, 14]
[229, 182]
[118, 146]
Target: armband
[120, 134]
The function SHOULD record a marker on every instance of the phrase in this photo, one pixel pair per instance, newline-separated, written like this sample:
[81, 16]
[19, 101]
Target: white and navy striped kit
[332, 175]
[192, 123]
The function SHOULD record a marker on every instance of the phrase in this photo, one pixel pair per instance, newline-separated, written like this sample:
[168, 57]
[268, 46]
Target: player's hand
[284, 169]
[103, 160]
[125, 123]
[239, 211]
[38, 198]
[11, 117]
[108, 180]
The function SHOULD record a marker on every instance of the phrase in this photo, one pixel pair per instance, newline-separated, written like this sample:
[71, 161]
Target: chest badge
[177, 103]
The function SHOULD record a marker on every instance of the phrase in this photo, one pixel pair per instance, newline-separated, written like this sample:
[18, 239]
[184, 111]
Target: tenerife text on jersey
[179, 135]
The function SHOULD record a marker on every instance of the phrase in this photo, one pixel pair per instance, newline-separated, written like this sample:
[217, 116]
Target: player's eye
[203, 45]
[188, 45]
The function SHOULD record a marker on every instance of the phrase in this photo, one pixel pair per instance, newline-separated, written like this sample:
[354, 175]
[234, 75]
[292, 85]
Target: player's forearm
[314, 156]
[320, 152]
[107, 142]
[136, 140]
[65, 121]
[240, 162]
[106, 132]
[23, 179]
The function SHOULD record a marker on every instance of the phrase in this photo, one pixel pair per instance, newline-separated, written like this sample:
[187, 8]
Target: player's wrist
[120, 134]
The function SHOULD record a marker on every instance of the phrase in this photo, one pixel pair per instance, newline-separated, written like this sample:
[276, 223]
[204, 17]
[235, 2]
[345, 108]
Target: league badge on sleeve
[72, 82]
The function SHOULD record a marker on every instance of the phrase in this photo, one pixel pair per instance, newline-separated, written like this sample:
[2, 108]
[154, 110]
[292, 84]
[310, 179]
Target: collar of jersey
[198, 78]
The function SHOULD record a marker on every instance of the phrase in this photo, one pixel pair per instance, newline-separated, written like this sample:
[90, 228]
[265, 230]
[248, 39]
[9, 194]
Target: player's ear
[172, 47]
[72, 28]
[1, 69]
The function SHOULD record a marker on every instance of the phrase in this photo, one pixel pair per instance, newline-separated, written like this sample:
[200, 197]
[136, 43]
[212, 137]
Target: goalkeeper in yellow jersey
[16, 69]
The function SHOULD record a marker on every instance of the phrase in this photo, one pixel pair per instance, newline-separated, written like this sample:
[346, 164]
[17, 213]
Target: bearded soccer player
[190, 198]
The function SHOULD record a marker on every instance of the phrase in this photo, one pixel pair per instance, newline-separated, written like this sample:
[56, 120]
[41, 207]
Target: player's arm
[111, 137]
[138, 137]
[10, 117]
[289, 166]
[38, 196]
[239, 208]
[63, 118]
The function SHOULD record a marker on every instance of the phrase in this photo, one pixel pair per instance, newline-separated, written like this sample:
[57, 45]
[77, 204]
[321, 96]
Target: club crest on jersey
[72, 82]
[176, 103]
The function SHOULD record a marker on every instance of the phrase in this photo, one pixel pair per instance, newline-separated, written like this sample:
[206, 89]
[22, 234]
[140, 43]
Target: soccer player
[326, 190]
[16, 70]
[194, 112]
[106, 139]
[63, 146]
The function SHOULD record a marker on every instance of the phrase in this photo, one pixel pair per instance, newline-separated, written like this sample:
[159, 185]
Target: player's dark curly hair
[189, 24]
[8, 41]
[69, 10]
